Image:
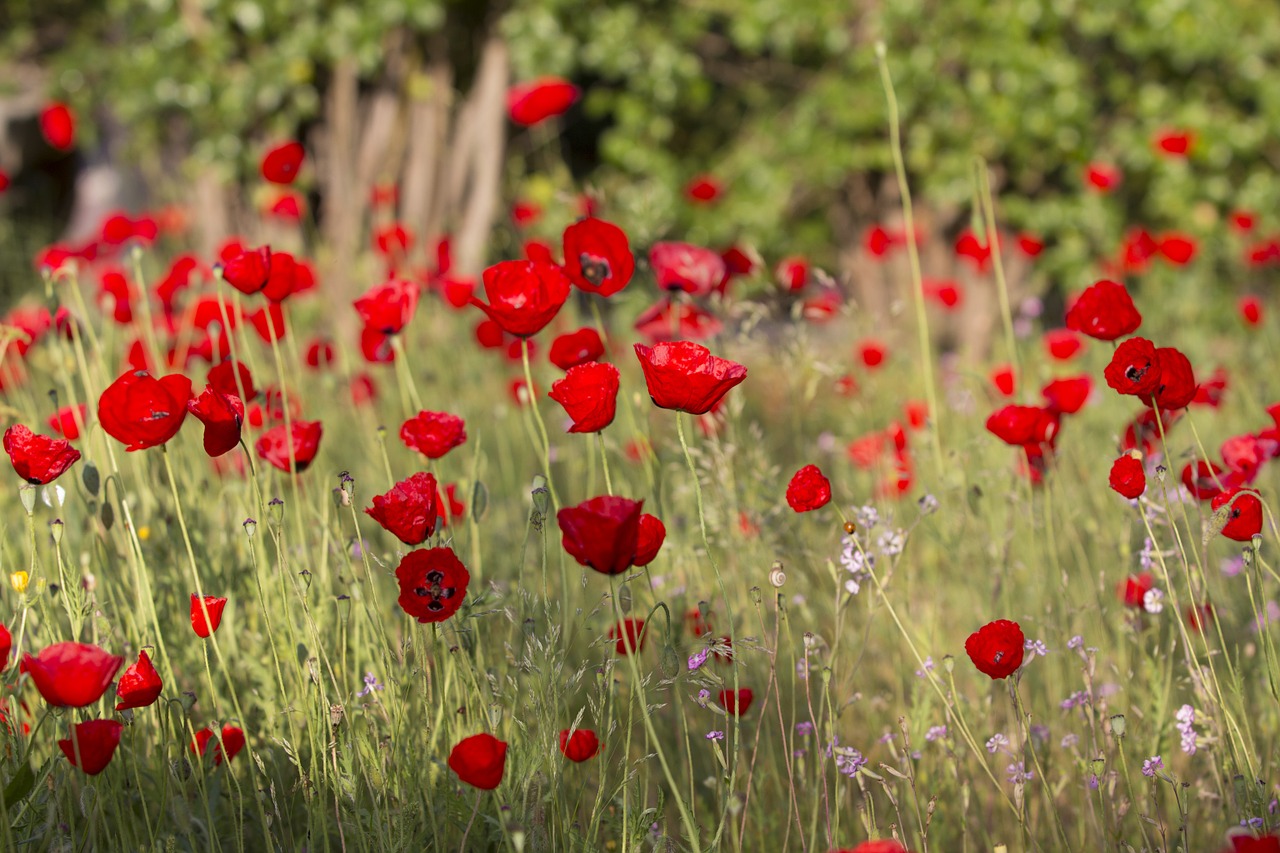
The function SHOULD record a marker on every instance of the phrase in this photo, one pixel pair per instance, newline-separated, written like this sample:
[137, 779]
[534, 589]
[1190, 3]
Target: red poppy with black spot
[1104, 311]
[140, 685]
[140, 411]
[602, 533]
[293, 449]
[433, 434]
[996, 648]
[1243, 513]
[1134, 368]
[686, 377]
[389, 307]
[524, 296]
[408, 510]
[92, 745]
[38, 459]
[579, 745]
[433, 583]
[597, 256]
[589, 395]
[281, 164]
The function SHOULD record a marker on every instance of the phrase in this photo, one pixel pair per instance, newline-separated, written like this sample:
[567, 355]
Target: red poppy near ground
[657, 323]
[649, 540]
[280, 165]
[575, 348]
[71, 674]
[222, 416]
[58, 125]
[996, 648]
[206, 742]
[1069, 394]
[736, 703]
[388, 307]
[92, 744]
[1135, 588]
[1244, 518]
[247, 270]
[1102, 176]
[702, 189]
[38, 459]
[200, 623]
[69, 421]
[792, 273]
[301, 442]
[1002, 380]
[597, 256]
[589, 395]
[808, 490]
[686, 377]
[140, 685]
[1177, 381]
[1134, 368]
[1104, 311]
[433, 582]
[602, 533]
[1127, 476]
[685, 267]
[579, 745]
[535, 101]
[140, 411]
[629, 635]
[433, 434]
[479, 760]
[408, 510]
[1250, 308]
[1062, 344]
[523, 296]
[1178, 249]
[1173, 142]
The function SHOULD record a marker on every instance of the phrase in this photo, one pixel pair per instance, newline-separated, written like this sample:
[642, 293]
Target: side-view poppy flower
[1205, 480]
[808, 490]
[479, 760]
[58, 125]
[69, 421]
[222, 416]
[247, 270]
[282, 281]
[433, 583]
[389, 307]
[278, 447]
[589, 395]
[1068, 394]
[1022, 425]
[1250, 308]
[579, 745]
[649, 540]
[737, 702]
[1105, 311]
[140, 685]
[280, 165]
[92, 745]
[71, 674]
[1127, 477]
[1133, 591]
[1177, 381]
[996, 648]
[1134, 368]
[207, 743]
[433, 434]
[629, 636]
[686, 377]
[6, 646]
[685, 267]
[1062, 344]
[408, 510]
[38, 459]
[202, 625]
[524, 296]
[602, 533]
[141, 411]
[597, 256]
[1244, 517]
[574, 348]
[535, 101]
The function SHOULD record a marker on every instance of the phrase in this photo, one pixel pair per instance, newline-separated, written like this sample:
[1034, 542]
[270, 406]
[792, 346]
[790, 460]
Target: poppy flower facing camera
[141, 411]
[524, 296]
[597, 256]
[433, 583]
[996, 648]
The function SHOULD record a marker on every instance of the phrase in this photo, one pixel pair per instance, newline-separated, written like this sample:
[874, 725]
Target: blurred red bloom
[792, 273]
[280, 164]
[1030, 244]
[686, 377]
[388, 307]
[916, 413]
[433, 582]
[1243, 220]
[996, 648]
[1134, 368]
[408, 509]
[1102, 176]
[247, 270]
[736, 703]
[4, 181]
[71, 674]
[319, 354]
[945, 293]
[1022, 425]
[287, 206]
[1104, 311]
[808, 490]
[649, 539]
[204, 625]
[1178, 249]
[479, 760]
[589, 395]
[629, 635]
[393, 240]
[879, 242]
[523, 296]
[1244, 518]
[1269, 843]
[282, 280]
[232, 740]
[535, 101]
[1250, 308]
[1127, 477]
[92, 745]
[879, 845]
[872, 353]
[38, 459]
[1176, 386]
[579, 745]
[1062, 344]
[69, 421]
[1135, 589]
[685, 267]
[58, 125]
[1068, 394]
[302, 441]
[140, 685]
[1210, 392]
[702, 189]
[970, 247]
[1205, 480]
[525, 213]
[222, 416]
[433, 434]
[602, 533]
[575, 348]
[1002, 379]
[1174, 142]
[690, 322]
[140, 411]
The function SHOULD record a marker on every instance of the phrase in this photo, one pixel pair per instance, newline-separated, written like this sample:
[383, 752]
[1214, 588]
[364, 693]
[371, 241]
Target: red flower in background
[140, 685]
[281, 164]
[282, 281]
[1134, 368]
[1102, 176]
[694, 323]
[232, 740]
[523, 296]
[973, 249]
[879, 242]
[1177, 381]
[736, 703]
[71, 674]
[38, 459]
[702, 189]
[275, 446]
[1269, 843]
[268, 322]
[433, 582]
[247, 270]
[872, 353]
[1104, 311]
[1023, 425]
[480, 761]
[200, 623]
[686, 377]
[996, 648]
[602, 533]
[1062, 344]
[1244, 518]
[140, 411]
[537, 100]
[629, 635]
[792, 273]
[1205, 480]
[1127, 477]
[1250, 310]
[574, 348]
[1178, 249]
[1135, 588]
[69, 421]
[880, 845]
[685, 267]
[408, 510]
[1002, 379]
[1069, 394]
[649, 540]
[1030, 244]
[58, 125]
[589, 395]
[222, 416]
[388, 307]
[808, 490]
[1174, 142]
[579, 745]
[4, 181]
[92, 745]
[433, 434]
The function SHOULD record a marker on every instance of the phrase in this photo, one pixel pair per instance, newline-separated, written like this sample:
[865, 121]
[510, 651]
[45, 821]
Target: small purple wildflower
[1186, 717]
[935, 733]
[370, 684]
[804, 728]
[715, 735]
[1019, 774]
[697, 659]
[1151, 765]
[996, 742]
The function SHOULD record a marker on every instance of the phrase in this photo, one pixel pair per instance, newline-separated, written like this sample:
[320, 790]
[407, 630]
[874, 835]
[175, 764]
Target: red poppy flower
[808, 490]
[1178, 249]
[287, 206]
[1210, 392]
[996, 648]
[649, 540]
[579, 745]
[58, 125]
[690, 322]
[686, 377]
[140, 411]
[702, 189]
[880, 845]
[6, 646]
[602, 533]
[199, 623]
[525, 213]
[282, 280]
[408, 510]
[1244, 454]
[389, 307]
[736, 704]
[232, 740]
[1250, 308]
[1177, 381]
[71, 674]
[489, 334]
[537, 100]
[1134, 368]
[589, 395]
[280, 165]
[92, 744]
[1022, 425]
[363, 389]
[4, 181]
[878, 241]
[1135, 588]
[1002, 379]
[629, 635]
[574, 348]
[1069, 394]
[1269, 843]
[1204, 480]
[38, 459]
[1030, 244]
[140, 685]
[1104, 311]
[222, 416]
[1174, 142]
[792, 273]
[248, 270]
[685, 267]
[523, 296]
[69, 421]
[1102, 176]
[977, 252]
[872, 353]
[945, 293]
[393, 240]
[275, 446]
[479, 760]
[1062, 344]
[1245, 515]
[433, 583]
[433, 434]
[1127, 477]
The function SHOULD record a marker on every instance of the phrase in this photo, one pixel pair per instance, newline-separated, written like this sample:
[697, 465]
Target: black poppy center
[1134, 373]
[595, 269]
[435, 593]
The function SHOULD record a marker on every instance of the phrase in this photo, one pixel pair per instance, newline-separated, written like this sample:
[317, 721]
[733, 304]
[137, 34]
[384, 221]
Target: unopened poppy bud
[624, 599]
[55, 527]
[275, 507]
[1117, 725]
[28, 495]
[670, 661]
[825, 672]
[1160, 472]
[250, 527]
[948, 663]
[1257, 542]
[188, 700]
[755, 595]
[91, 479]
